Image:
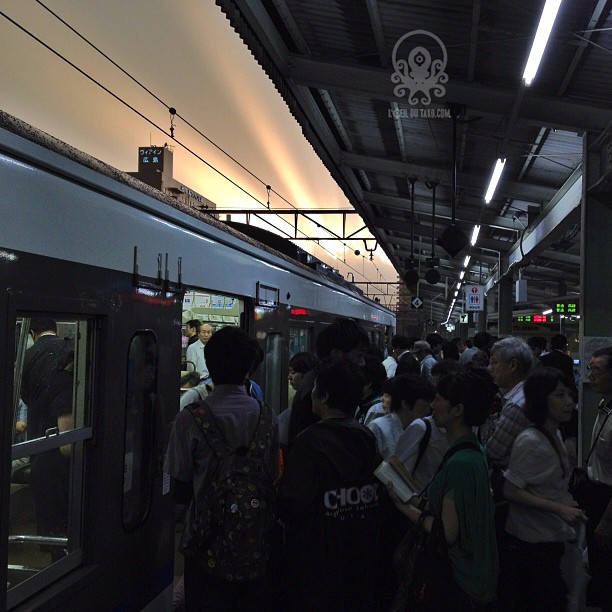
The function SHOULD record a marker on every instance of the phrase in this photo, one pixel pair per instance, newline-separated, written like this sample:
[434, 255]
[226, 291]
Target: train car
[87, 519]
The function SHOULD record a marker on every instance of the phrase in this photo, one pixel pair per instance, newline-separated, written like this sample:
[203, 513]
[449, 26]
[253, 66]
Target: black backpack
[235, 514]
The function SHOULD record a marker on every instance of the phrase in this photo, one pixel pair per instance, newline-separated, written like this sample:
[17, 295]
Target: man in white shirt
[195, 352]
[422, 351]
[399, 346]
[411, 397]
[424, 441]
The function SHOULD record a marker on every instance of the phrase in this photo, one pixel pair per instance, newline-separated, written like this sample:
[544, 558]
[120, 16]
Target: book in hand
[392, 470]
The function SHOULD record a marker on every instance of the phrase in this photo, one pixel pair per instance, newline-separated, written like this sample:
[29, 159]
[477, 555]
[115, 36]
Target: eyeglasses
[594, 371]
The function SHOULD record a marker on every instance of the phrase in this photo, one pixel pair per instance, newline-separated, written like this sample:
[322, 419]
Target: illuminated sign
[298, 311]
[535, 318]
[570, 308]
[150, 158]
[474, 298]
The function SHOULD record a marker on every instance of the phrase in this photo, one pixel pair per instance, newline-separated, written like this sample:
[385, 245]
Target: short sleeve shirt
[535, 467]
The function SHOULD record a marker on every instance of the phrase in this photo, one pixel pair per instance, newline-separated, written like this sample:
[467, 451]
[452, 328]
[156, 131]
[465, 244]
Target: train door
[94, 392]
[142, 398]
[301, 340]
[49, 437]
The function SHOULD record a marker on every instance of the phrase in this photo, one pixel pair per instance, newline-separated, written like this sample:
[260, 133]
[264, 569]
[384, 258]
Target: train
[119, 267]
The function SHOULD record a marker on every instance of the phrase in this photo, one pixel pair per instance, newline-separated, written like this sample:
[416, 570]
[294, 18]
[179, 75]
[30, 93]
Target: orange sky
[184, 52]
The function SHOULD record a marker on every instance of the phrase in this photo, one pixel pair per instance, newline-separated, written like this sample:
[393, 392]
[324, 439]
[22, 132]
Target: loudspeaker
[453, 240]
[432, 276]
[412, 276]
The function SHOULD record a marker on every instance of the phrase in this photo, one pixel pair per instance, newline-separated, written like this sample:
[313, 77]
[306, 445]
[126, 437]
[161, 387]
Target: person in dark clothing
[373, 375]
[560, 360]
[50, 472]
[329, 501]
[407, 363]
[40, 366]
[192, 329]
[344, 338]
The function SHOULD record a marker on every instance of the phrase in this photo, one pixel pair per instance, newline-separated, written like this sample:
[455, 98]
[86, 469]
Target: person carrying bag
[450, 558]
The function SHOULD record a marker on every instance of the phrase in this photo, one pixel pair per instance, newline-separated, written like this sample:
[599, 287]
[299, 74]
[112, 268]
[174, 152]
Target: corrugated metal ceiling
[332, 62]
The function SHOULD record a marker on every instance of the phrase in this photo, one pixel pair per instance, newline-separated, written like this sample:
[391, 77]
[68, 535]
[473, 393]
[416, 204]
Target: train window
[273, 369]
[50, 426]
[206, 307]
[376, 338]
[141, 403]
[299, 340]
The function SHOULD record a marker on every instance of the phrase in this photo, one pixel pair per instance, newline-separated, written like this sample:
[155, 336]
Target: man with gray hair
[511, 360]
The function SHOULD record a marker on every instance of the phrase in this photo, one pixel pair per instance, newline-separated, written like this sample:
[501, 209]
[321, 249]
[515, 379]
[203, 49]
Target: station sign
[536, 318]
[474, 298]
[567, 308]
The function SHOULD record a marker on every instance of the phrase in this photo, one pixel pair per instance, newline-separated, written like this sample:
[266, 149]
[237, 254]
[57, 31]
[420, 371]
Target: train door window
[299, 340]
[141, 403]
[273, 369]
[375, 338]
[50, 426]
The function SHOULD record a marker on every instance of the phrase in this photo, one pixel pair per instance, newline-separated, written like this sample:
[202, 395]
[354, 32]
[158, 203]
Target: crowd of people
[484, 431]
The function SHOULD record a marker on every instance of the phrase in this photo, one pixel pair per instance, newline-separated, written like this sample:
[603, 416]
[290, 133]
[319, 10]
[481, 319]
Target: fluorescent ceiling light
[547, 312]
[475, 233]
[461, 274]
[458, 285]
[466, 261]
[457, 293]
[547, 20]
[497, 172]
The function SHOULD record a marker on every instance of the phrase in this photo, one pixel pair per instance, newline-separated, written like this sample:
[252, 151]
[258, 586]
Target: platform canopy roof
[409, 103]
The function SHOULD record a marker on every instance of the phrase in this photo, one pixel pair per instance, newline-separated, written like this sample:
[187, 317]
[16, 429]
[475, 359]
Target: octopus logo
[419, 74]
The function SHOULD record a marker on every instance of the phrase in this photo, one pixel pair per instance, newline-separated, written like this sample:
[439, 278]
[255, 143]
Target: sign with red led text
[535, 318]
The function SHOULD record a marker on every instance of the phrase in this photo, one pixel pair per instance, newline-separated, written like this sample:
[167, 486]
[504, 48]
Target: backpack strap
[213, 435]
[422, 445]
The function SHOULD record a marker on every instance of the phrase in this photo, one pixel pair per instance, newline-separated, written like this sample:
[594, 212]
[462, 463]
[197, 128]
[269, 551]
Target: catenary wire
[193, 127]
[151, 122]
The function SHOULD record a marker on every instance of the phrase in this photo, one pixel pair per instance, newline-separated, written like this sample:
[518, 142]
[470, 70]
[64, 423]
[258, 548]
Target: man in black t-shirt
[329, 501]
[343, 339]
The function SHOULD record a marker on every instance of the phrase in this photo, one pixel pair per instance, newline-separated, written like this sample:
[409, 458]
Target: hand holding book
[392, 470]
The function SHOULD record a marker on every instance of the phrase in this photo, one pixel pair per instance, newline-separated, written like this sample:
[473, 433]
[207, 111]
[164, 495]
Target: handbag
[426, 571]
[423, 562]
[579, 484]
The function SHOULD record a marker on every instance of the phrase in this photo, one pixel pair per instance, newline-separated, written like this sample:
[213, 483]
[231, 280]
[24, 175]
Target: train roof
[22, 129]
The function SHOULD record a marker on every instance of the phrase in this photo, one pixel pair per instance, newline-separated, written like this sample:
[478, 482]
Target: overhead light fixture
[461, 274]
[458, 285]
[547, 312]
[547, 20]
[457, 293]
[475, 233]
[497, 172]
[466, 261]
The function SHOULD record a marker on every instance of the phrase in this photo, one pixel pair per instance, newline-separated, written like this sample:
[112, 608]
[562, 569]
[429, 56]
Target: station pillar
[504, 306]
[595, 270]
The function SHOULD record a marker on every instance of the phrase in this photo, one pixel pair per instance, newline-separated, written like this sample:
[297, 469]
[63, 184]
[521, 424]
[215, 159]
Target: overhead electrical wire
[199, 132]
[185, 120]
